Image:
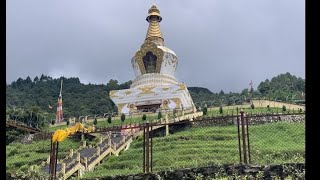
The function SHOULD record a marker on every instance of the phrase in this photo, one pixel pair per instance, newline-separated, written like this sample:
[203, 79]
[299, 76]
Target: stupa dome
[154, 63]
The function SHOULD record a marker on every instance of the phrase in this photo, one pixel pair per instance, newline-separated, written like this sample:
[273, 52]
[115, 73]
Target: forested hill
[87, 99]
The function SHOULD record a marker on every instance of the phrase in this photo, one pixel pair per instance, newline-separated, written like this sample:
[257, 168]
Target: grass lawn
[102, 122]
[202, 146]
[21, 156]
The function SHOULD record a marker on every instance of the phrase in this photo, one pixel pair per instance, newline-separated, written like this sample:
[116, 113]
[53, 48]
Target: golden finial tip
[154, 10]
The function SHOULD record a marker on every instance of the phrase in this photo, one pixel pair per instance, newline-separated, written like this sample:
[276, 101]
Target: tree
[95, 121]
[159, 115]
[109, 119]
[36, 79]
[123, 117]
[112, 85]
[245, 91]
[28, 80]
[144, 117]
[221, 110]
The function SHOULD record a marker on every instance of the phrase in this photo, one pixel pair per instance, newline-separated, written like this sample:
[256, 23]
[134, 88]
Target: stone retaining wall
[228, 120]
[230, 171]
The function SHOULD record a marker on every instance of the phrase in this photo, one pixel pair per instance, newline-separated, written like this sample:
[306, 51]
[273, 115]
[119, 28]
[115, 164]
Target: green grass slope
[202, 146]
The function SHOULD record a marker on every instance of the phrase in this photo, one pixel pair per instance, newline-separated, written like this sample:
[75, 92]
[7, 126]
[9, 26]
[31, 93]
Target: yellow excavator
[60, 135]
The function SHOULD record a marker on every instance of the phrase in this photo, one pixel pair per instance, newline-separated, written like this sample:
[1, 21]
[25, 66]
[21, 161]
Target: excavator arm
[60, 135]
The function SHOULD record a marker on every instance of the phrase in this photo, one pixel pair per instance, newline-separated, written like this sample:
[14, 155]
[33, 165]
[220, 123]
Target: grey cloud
[219, 44]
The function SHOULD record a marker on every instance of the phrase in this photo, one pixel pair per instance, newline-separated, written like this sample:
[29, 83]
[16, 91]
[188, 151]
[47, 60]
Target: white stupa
[155, 86]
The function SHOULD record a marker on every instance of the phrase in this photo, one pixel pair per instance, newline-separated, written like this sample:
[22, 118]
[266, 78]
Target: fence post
[86, 162]
[78, 157]
[249, 156]
[71, 153]
[167, 125]
[53, 159]
[147, 149]
[63, 170]
[144, 149]
[109, 140]
[98, 151]
[243, 139]
[239, 141]
[151, 149]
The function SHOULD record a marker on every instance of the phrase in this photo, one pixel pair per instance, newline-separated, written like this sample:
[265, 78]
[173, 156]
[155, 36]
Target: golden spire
[154, 34]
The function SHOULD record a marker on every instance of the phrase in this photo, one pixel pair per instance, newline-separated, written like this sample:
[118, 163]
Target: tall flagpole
[61, 87]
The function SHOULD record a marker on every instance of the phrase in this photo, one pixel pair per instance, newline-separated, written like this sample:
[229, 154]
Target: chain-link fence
[178, 143]
[277, 139]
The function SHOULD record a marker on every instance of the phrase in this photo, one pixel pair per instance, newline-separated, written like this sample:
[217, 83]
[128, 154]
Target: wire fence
[165, 145]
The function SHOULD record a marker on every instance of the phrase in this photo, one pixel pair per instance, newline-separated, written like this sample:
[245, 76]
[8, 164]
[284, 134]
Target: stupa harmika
[154, 87]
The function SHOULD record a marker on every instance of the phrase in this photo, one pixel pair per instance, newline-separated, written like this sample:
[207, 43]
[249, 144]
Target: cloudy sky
[220, 44]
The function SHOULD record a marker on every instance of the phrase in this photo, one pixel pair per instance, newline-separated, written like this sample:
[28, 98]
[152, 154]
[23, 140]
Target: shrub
[284, 108]
[252, 106]
[68, 122]
[221, 110]
[53, 122]
[144, 117]
[205, 110]
[33, 172]
[109, 119]
[95, 121]
[159, 115]
[268, 107]
[123, 117]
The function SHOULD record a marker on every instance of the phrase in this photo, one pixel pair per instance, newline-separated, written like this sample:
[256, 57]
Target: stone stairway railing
[86, 158]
